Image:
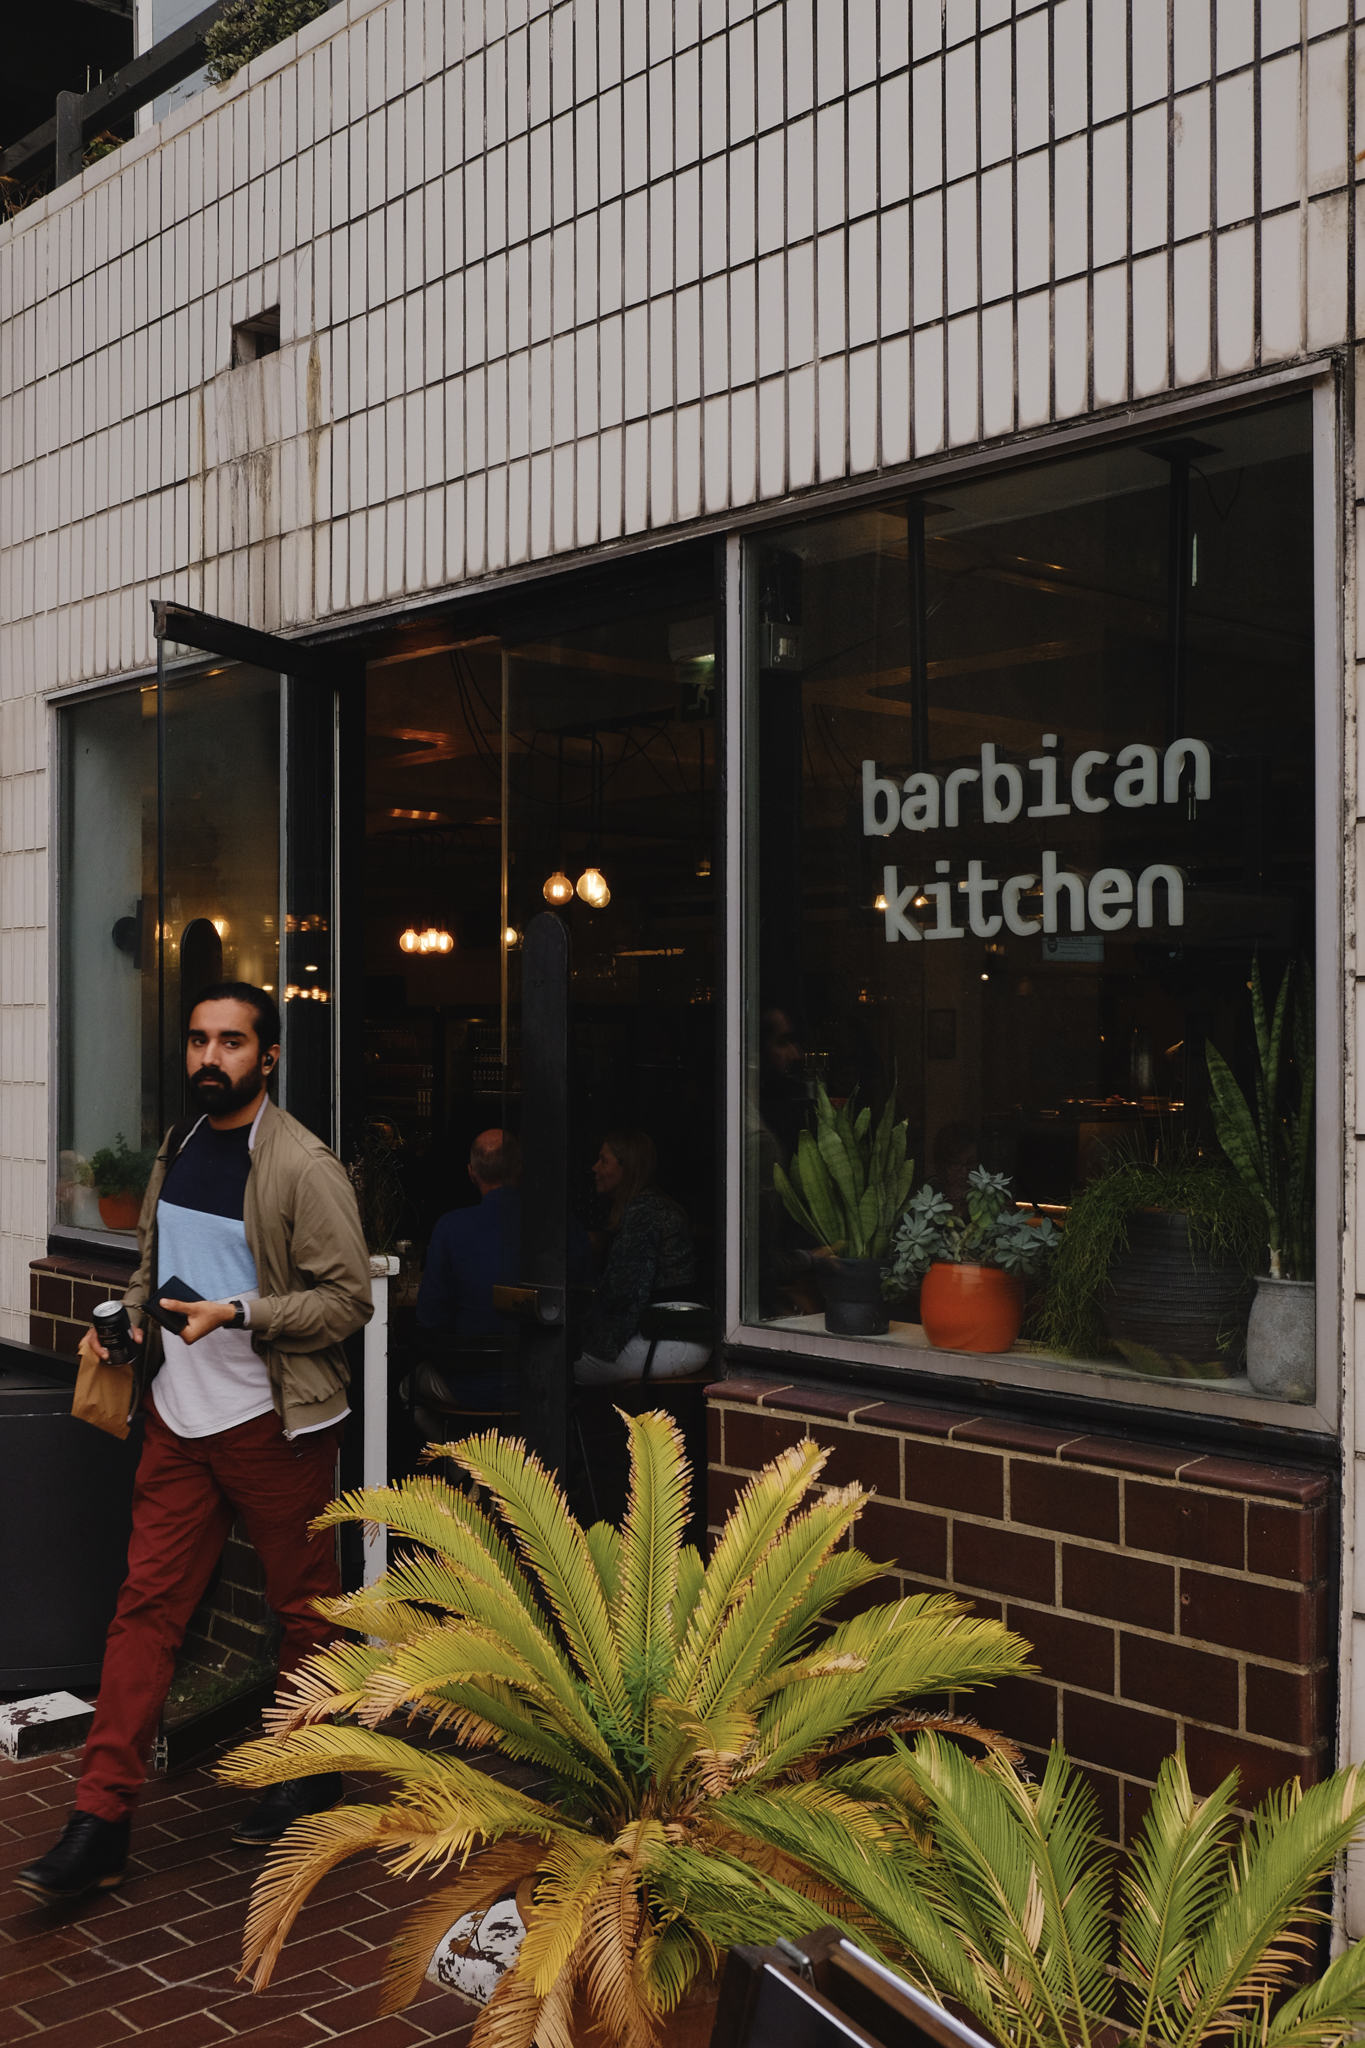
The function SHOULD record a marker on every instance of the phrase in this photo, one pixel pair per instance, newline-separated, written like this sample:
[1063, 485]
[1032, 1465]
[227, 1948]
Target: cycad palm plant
[696, 1724]
[1215, 1911]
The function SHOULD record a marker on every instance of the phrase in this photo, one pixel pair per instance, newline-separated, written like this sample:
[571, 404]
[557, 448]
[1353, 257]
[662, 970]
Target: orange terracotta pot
[120, 1212]
[971, 1308]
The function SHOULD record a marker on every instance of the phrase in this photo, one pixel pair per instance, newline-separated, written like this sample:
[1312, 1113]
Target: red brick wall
[1170, 1596]
[61, 1295]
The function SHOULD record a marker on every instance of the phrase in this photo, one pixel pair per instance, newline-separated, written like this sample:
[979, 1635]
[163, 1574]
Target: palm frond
[442, 1519]
[604, 1543]
[1174, 1878]
[556, 1549]
[304, 1855]
[571, 1874]
[330, 1681]
[656, 1515]
[1019, 1878]
[613, 1926]
[907, 1649]
[754, 1522]
[1287, 1851]
[1331, 2010]
[782, 1575]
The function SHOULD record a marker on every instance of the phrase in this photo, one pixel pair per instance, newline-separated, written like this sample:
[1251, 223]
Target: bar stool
[430, 1389]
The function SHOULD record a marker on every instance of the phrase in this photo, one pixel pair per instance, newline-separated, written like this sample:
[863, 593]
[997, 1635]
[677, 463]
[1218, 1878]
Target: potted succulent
[120, 1176]
[699, 1730]
[1154, 1267]
[1272, 1153]
[971, 1269]
[847, 1187]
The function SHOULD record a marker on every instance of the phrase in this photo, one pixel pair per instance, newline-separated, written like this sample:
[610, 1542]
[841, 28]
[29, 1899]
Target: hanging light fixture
[425, 853]
[879, 901]
[559, 889]
[593, 890]
[433, 939]
[511, 938]
[592, 883]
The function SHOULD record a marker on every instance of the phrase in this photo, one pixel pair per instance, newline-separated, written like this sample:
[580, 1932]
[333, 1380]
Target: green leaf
[651, 1535]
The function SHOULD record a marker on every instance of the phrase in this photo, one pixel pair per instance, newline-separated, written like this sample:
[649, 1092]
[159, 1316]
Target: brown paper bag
[104, 1393]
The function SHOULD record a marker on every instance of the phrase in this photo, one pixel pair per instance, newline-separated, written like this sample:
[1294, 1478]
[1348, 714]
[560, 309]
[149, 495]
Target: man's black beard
[211, 1091]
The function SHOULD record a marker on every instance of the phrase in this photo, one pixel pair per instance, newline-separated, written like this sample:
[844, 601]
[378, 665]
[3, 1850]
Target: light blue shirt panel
[209, 1253]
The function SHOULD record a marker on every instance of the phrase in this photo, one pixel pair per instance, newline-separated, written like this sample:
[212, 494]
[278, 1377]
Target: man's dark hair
[263, 1007]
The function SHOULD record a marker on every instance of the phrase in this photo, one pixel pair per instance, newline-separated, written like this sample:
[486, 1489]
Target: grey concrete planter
[1282, 1339]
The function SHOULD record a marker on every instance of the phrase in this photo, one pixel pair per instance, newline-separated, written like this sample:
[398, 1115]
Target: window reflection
[1033, 784]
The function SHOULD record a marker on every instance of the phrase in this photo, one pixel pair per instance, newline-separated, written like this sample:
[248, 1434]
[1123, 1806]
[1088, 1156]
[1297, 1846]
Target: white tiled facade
[551, 277]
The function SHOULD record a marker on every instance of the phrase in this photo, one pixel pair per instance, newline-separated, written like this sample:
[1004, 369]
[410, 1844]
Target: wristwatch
[239, 1314]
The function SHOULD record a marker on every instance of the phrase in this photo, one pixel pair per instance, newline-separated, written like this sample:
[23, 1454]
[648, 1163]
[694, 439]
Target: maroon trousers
[189, 1492]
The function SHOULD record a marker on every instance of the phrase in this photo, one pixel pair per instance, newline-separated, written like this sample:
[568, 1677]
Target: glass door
[610, 785]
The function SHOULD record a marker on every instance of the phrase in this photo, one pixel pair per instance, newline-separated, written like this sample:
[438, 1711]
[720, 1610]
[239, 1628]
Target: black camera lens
[115, 1332]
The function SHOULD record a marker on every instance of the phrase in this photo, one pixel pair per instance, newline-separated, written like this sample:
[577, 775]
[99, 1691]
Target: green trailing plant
[116, 1169]
[699, 1724]
[848, 1184]
[1215, 1912]
[1272, 1150]
[993, 1232]
[248, 28]
[1225, 1221]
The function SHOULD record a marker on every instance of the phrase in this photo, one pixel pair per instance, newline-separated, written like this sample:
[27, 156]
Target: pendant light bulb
[879, 902]
[559, 889]
[409, 941]
[593, 890]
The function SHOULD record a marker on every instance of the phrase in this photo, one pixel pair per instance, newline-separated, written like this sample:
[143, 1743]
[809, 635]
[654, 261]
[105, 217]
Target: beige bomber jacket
[313, 1271]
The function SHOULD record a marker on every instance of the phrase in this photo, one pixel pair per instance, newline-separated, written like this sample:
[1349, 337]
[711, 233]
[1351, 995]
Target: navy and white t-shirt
[220, 1382]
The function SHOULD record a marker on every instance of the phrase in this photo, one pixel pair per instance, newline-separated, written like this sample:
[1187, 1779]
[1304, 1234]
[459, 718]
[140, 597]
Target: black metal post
[160, 890]
[70, 143]
[543, 1350]
[1177, 590]
[919, 638]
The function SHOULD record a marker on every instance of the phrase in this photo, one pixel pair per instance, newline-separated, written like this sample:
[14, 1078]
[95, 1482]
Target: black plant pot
[852, 1291]
[1170, 1306]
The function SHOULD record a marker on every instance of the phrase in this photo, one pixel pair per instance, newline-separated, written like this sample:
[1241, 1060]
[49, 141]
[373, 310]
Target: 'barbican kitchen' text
[921, 804]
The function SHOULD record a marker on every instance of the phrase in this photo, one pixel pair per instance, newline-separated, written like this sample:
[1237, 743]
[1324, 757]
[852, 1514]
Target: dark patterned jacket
[650, 1260]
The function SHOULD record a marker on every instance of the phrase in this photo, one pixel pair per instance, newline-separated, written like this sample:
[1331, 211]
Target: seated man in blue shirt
[474, 1250]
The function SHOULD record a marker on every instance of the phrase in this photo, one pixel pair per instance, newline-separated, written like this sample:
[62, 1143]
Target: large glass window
[1030, 807]
[127, 985]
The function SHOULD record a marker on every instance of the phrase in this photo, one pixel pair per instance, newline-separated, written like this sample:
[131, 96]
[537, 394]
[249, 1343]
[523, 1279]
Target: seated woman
[650, 1261]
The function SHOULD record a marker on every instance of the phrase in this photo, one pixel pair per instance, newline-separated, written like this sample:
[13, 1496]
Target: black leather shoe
[285, 1803]
[89, 1857]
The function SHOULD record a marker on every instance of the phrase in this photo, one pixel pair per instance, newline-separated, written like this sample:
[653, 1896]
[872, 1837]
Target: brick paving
[158, 1958]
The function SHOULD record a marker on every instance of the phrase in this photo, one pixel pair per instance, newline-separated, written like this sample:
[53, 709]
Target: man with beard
[243, 1411]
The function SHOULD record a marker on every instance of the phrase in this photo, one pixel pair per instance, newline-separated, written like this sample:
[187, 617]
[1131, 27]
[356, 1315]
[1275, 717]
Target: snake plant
[848, 1185]
[1272, 1151]
[698, 1724]
[1205, 1940]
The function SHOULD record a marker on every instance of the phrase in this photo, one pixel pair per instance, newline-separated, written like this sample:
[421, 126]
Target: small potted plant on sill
[121, 1176]
[971, 1269]
[1153, 1267]
[847, 1187]
[1272, 1154]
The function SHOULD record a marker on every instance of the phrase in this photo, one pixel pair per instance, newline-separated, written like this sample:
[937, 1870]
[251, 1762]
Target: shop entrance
[560, 762]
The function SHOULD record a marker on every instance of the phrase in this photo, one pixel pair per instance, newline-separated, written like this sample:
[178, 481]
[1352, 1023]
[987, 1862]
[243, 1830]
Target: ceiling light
[434, 939]
[593, 890]
[559, 889]
[879, 901]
